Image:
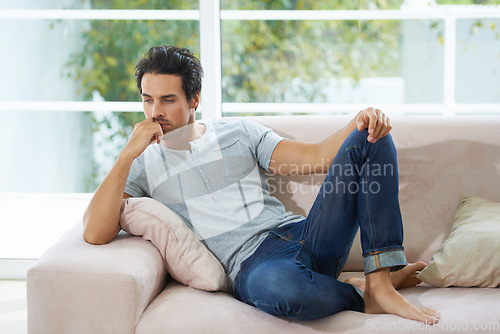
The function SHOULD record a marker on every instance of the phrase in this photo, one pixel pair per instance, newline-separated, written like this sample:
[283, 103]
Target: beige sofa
[122, 287]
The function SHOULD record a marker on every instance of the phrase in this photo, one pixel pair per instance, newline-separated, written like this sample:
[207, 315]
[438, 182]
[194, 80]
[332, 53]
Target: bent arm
[101, 219]
[300, 157]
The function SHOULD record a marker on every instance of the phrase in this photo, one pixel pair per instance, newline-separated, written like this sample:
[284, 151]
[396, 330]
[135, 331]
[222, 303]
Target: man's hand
[145, 133]
[376, 121]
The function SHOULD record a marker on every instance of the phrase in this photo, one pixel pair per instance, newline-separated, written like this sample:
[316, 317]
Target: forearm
[327, 149]
[377, 123]
[300, 157]
[101, 219]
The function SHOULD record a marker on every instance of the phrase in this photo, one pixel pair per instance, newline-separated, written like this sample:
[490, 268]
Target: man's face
[164, 99]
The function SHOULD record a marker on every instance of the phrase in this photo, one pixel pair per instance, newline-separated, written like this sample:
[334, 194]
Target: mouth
[162, 122]
[166, 126]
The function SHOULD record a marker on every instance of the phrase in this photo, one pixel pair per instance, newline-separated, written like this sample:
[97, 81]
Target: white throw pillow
[470, 256]
[186, 259]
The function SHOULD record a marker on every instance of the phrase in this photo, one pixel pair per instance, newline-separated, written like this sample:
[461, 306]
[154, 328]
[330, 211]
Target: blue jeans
[294, 271]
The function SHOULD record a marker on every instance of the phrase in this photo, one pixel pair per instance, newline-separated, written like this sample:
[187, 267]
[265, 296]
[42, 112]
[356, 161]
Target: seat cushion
[181, 309]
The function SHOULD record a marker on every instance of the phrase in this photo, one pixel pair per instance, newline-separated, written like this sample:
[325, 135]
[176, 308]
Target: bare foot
[381, 295]
[407, 277]
[404, 278]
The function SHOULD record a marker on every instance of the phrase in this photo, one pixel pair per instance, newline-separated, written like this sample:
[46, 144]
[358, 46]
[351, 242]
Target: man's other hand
[376, 121]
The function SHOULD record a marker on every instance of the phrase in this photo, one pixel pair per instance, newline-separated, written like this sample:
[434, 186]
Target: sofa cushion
[186, 259]
[180, 309]
[470, 256]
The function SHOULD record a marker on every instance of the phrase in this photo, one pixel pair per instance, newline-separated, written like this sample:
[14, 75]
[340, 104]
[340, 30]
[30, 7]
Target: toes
[408, 281]
[428, 316]
[411, 268]
[431, 321]
[417, 266]
[431, 312]
[431, 316]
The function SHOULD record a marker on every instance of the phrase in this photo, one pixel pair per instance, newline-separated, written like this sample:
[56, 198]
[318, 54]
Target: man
[211, 175]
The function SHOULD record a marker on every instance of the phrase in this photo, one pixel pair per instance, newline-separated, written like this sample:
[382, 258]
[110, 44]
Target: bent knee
[281, 290]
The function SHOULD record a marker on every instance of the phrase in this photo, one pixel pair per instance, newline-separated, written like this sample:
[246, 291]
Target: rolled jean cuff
[394, 259]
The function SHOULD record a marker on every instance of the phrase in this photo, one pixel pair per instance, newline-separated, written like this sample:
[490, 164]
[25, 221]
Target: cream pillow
[470, 256]
[186, 259]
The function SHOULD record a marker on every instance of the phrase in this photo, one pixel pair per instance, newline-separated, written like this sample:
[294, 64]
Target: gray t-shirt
[218, 188]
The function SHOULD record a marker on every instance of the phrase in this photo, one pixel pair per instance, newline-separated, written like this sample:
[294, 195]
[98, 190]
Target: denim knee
[360, 138]
[356, 139]
[286, 287]
[278, 288]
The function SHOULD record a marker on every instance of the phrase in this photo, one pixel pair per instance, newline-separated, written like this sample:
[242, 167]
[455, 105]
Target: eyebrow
[161, 97]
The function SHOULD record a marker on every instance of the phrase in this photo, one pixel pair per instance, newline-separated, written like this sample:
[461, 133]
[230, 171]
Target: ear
[195, 101]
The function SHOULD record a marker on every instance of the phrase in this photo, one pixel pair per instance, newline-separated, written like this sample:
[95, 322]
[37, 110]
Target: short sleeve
[264, 140]
[136, 182]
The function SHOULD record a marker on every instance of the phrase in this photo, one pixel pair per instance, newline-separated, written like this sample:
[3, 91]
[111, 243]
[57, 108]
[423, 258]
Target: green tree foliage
[112, 47]
[261, 66]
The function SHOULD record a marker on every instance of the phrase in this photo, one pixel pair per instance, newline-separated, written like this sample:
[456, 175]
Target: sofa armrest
[76, 287]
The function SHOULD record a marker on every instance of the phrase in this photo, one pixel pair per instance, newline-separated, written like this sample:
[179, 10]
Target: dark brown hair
[172, 60]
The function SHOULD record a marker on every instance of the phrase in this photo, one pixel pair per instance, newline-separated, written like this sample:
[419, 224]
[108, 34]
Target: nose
[158, 111]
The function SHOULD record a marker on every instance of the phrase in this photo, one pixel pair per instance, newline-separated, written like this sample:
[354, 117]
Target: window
[69, 97]
[408, 57]
[64, 122]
